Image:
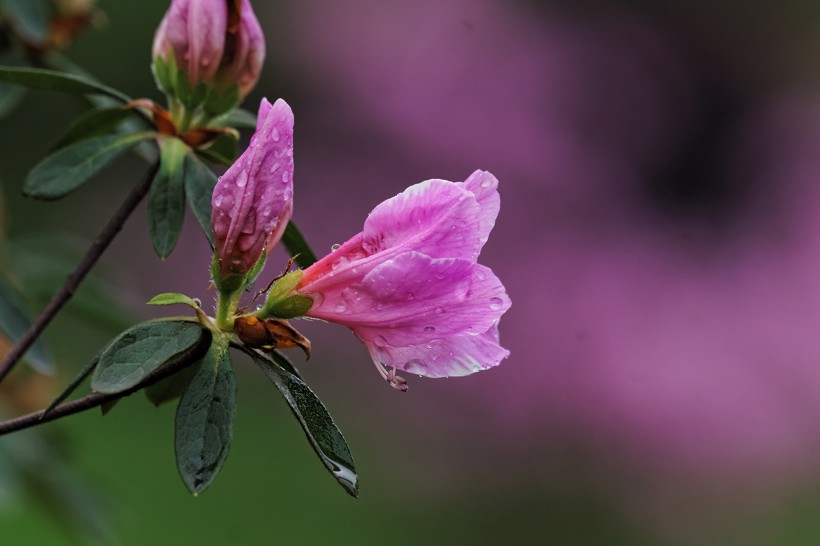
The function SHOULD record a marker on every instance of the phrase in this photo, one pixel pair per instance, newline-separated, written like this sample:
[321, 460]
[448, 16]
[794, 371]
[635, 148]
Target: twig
[175, 365]
[76, 277]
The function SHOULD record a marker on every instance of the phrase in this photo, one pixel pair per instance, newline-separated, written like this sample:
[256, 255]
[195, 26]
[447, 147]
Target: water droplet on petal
[430, 329]
[218, 200]
[496, 304]
[266, 212]
[275, 134]
[439, 310]
[487, 183]
[205, 61]
[318, 298]
[380, 341]
[242, 180]
[275, 167]
[341, 307]
[335, 247]
[415, 366]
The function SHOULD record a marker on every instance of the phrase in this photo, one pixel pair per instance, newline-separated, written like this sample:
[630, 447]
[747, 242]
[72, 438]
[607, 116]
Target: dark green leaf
[92, 124]
[221, 151]
[172, 387]
[274, 356]
[238, 119]
[65, 170]
[10, 95]
[296, 244]
[199, 187]
[51, 80]
[322, 433]
[76, 382]
[140, 350]
[29, 18]
[204, 420]
[14, 323]
[166, 199]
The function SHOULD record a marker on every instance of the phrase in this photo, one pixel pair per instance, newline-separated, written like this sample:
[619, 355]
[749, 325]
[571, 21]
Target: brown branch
[91, 401]
[73, 281]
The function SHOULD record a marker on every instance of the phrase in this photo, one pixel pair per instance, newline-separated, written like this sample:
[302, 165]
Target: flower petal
[436, 217]
[485, 188]
[450, 357]
[413, 299]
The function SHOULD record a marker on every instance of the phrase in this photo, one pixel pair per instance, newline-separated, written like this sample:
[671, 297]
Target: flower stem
[73, 281]
[226, 306]
[182, 360]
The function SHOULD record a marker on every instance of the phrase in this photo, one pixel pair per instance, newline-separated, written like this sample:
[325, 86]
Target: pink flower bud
[213, 41]
[253, 201]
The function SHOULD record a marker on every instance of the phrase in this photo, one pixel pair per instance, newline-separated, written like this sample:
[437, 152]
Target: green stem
[226, 305]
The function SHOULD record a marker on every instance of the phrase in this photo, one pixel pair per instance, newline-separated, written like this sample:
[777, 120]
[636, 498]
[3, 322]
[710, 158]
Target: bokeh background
[659, 237]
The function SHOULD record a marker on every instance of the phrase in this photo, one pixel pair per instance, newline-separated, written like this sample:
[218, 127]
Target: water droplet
[410, 296]
[415, 366]
[205, 61]
[242, 180]
[218, 200]
[496, 304]
[439, 310]
[341, 307]
[380, 341]
[318, 298]
[275, 167]
[266, 212]
[486, 183]
[275, 134]
[289, 152]
[335, 247]
[198, 302]
[285, 176]
[430, 329]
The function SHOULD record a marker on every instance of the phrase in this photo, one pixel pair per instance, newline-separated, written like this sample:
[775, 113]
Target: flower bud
[218, 42]
[253, 201]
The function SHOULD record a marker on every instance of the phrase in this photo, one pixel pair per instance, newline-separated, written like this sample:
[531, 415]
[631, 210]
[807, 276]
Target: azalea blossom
[253, 201]
[213, 41]
[409, 285]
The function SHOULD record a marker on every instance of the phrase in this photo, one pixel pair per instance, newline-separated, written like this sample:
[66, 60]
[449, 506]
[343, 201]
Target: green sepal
[164, 74]
[204, 419]
[200, 182]
[166, 198]
[69, 168]
[140, 350]
[256, 270]
[294, 306]
[238, 118]
[219, 102]
[222, 150]
[297, 246]
[94, 123]
[283, 287]
[172, 298]
[322, 433]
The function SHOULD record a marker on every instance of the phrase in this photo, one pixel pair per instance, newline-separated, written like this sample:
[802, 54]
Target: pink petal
[450, 357]
[435, 217]
[413, 299]
[207, 25]
[485, 188]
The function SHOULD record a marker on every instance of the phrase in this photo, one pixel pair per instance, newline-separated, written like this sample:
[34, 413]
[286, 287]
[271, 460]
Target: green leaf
[204, 420]
[274, 356]
[172, 387]
[29, 18]
[172, 298]
[294, 306]
[67, 169]
[52, 80]
[238, 119]
[220, 102]
[322, 433]
[14, 323]
[166, 198]
[199, 187]
[10, 95]
[76, 382]
[221, 151]
[296, 244]
[140, 350]
[94, 123]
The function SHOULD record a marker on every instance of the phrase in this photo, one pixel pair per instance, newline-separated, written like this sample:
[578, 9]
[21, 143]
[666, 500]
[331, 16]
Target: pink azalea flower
[409, 287]
[253, 201]
[214, 41]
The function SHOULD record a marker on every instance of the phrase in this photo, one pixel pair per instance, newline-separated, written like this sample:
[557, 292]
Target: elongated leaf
[204, 420]
[92, 124]
[274, 356]
[14, 323]
[199, 187]
[238, 119]
[76, 382]
[172, 298]
[166, 199]
[52, 80]
[322, 433]
[172, 387]
[29, 18]
[296, 244]
[221, 151]
[64, 171]
[140, 350]
[10, 95]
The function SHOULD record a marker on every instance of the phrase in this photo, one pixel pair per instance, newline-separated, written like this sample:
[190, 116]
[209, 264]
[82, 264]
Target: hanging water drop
[335, 247]
[496, 304]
